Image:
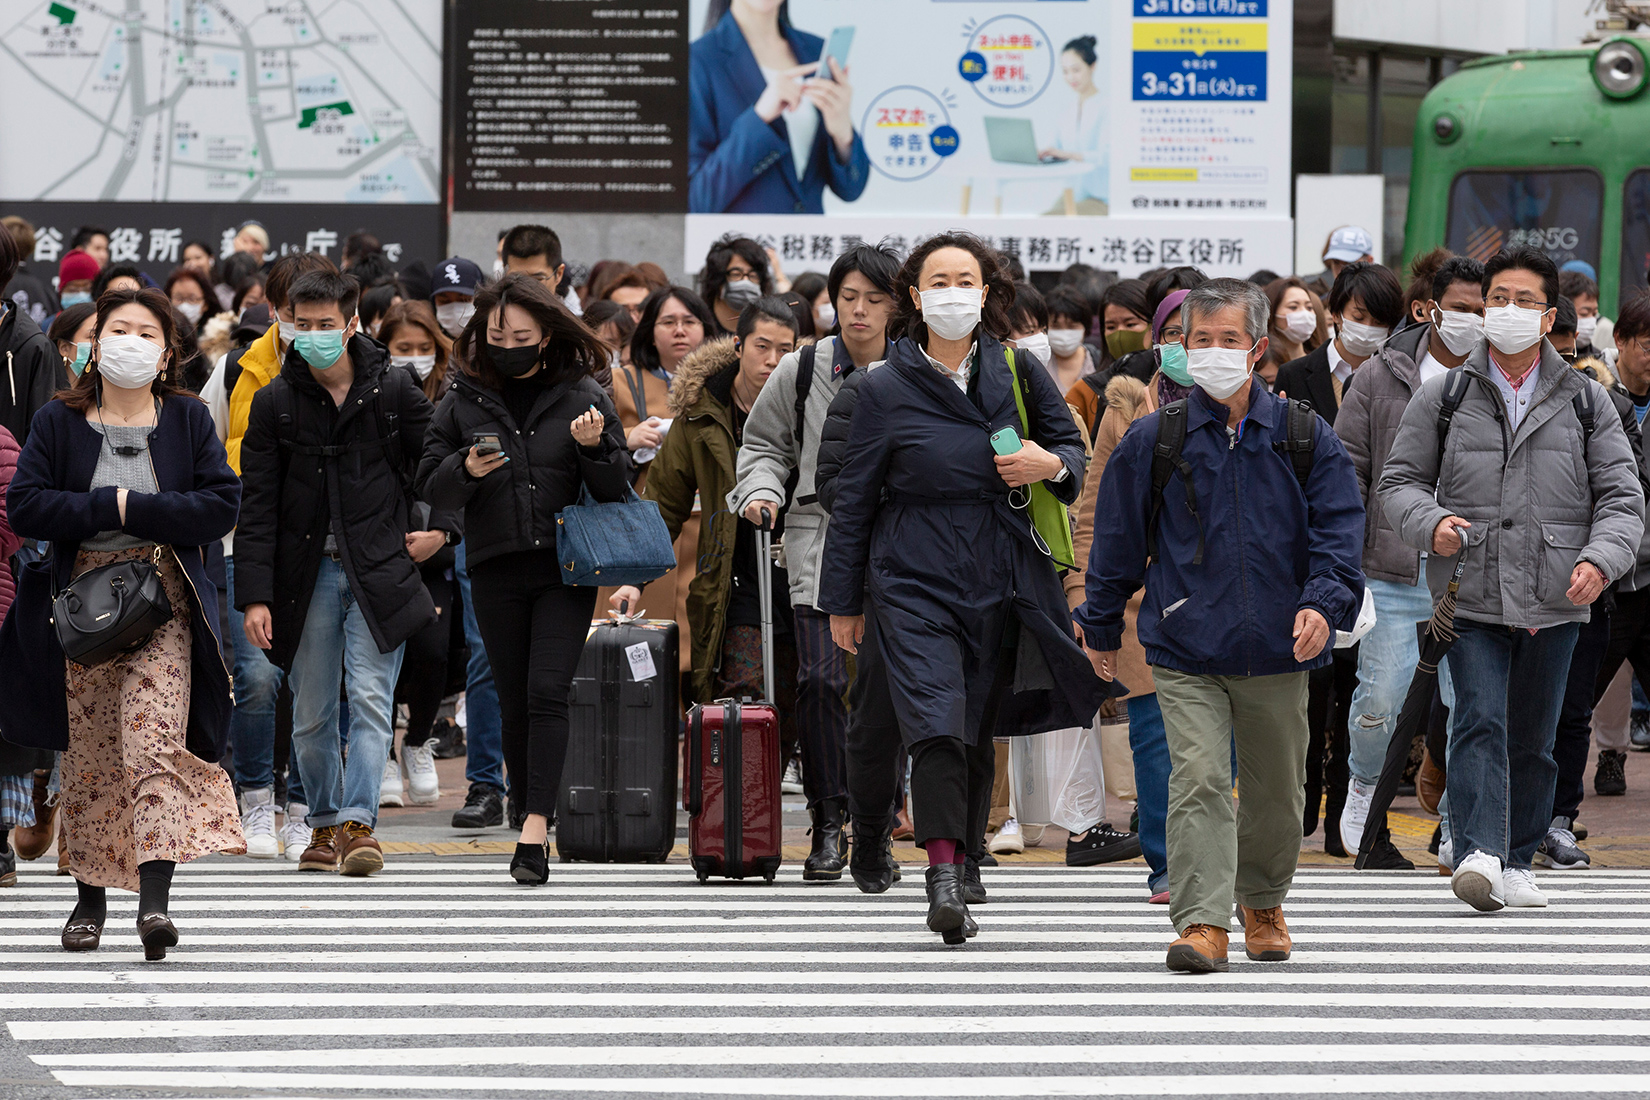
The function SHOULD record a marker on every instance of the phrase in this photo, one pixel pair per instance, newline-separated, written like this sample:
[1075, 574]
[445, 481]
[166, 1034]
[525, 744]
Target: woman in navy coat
[928, 526]
[766, 131]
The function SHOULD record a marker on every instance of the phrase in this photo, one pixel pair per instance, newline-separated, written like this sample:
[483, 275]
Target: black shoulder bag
[111, 610]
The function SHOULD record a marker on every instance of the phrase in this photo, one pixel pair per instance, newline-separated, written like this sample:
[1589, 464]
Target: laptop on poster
[1013, 141]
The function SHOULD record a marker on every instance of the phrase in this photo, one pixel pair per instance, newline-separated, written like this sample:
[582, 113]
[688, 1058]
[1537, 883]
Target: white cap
[1349, 244]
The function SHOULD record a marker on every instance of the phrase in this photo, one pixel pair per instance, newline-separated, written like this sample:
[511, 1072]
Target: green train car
[1549, 149]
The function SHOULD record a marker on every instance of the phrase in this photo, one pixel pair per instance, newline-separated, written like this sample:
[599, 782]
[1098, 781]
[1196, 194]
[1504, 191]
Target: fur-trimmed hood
[702, 364]
[1124, 395]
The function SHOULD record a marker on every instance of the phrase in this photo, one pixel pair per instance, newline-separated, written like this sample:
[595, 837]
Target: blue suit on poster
[736, 162]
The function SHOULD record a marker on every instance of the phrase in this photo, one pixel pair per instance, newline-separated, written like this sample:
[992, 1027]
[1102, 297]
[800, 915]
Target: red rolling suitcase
[731, 769]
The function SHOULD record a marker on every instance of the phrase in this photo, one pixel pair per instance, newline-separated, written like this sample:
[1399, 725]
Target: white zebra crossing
[447, 979]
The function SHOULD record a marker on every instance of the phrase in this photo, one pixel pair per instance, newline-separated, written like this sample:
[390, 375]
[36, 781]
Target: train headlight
[1619, 68]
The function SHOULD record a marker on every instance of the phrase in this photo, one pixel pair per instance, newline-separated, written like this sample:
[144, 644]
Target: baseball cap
[76, 264]
[1349, 244]
[1579, 265]
[455, 273]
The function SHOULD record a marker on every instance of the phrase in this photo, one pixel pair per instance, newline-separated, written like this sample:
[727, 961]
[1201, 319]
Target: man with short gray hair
[1240, 513]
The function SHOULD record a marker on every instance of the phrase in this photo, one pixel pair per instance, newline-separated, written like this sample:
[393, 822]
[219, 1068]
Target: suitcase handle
[693, 792]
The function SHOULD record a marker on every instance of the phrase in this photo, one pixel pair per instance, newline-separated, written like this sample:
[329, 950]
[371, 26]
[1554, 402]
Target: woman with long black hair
[523, 428]
[126, 467]
[931, 546]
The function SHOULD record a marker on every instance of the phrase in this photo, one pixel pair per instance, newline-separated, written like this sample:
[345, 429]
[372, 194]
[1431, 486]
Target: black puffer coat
[833, 438]
[514, 507]
[290, 494]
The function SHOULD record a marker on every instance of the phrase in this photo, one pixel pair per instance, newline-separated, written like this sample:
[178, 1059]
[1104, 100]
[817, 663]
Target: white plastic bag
[1058, 778]
[1364, 624]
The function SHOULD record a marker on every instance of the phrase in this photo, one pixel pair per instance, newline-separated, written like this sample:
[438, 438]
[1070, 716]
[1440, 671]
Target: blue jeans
[1386, 665]
[483, 722]
[1150, 745]
[257, 682]
[1509, 686]
[338, 643]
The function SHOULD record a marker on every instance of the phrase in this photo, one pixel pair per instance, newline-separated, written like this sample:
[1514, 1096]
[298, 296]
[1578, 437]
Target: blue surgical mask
[82, 352]
[78, 298]
[322, 349]
[1171, 360]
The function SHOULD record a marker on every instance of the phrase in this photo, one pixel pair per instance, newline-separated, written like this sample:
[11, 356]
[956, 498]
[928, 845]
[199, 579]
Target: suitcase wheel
[768, 878]
[704, 876]
[566, 859]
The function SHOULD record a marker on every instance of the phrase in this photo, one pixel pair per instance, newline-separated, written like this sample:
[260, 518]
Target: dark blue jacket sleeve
[205, 513]
[37, 507]
[1054, 429]
[725, 154]
[849, 177]
[858, 493]
[1117, 558]
[1334, 533]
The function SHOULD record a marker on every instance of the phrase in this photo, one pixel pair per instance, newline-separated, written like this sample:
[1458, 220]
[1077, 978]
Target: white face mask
[288, 332]
[952, 312]
[1300, 324]
[1037, 344]
[1511, 328]
[824, 317]
[1361, 339]
[422, 364]
[1586, 327]
[1220, 371]
[453, 316]
[129, 362]
[1460, 332]
[1065, 341]
[191, 310]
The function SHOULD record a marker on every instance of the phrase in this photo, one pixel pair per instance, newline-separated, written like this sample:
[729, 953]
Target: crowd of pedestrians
[1216, 509]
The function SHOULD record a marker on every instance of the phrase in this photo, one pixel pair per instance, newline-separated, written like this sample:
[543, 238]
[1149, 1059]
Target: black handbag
[111, 610]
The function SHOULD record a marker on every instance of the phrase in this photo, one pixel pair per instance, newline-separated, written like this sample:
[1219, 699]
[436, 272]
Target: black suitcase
[617, 802]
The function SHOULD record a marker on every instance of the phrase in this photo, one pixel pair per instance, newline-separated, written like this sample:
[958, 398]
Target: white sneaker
[389, 787]
[423, 786]
[1355, 813]
[792, 781]
[1478, 882]
[1446, 855]
[294, 833]
[1519, 889]
[258, 822]
[1008, 840]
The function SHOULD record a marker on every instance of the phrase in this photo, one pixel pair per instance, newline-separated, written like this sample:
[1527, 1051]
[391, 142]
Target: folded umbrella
[1437, 635]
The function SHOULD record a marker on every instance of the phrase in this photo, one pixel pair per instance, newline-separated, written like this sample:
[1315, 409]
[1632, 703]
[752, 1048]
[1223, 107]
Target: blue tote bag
[625, 542]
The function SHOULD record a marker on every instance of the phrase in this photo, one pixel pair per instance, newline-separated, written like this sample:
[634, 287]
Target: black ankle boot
[824, 863]
[531, 865]
[870, 862]
[947, 912]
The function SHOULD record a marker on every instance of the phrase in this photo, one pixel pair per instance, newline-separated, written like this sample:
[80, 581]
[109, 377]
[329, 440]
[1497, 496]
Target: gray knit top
[132, 472]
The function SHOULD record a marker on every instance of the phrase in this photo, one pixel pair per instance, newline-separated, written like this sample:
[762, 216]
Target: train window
[1635, 232]
[1556, 210]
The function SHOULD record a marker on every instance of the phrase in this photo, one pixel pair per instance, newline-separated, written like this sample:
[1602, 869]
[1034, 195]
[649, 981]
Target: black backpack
[1300, 444]
[1455, 391]
[804, 384]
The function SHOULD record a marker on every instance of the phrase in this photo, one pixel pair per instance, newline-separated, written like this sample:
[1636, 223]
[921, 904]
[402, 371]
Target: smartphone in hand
[1005, 441]
[486, 443]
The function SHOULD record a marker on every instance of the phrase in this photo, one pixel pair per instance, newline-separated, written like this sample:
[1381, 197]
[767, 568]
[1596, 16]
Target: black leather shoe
[946, 909]
[483, 807]
[870, 862]
[973, 888]
[157, 933]
[531, 865]
[1385, 856]
[970, 929]
[8, 867]
[830, 843]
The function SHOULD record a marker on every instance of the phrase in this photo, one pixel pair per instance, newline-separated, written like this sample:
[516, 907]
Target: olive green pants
[1216, 854]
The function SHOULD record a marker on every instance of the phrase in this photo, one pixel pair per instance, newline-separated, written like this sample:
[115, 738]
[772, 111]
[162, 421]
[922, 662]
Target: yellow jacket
[260, 363]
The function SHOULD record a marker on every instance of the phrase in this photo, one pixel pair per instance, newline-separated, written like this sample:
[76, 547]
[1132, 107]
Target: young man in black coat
[33, 370]
[1365, 304]
[322, 566]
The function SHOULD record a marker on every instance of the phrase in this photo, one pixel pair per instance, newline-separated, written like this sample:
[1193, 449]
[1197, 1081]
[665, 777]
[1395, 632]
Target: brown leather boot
[361, 853]
[1429, 783]
[1265, 936]
[33, 841]
[1201, 949]
[322, 853]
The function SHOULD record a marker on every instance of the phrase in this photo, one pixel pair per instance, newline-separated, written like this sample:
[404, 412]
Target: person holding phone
[930, 546]
[523, 429]
[770, 121]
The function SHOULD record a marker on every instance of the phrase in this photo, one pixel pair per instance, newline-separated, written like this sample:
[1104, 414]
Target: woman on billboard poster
[769, 122]
[1082, 131]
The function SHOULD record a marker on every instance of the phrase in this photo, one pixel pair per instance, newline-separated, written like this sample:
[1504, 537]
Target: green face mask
[82, 352]
[320, 349]
[1171, 360]
[1123, 341]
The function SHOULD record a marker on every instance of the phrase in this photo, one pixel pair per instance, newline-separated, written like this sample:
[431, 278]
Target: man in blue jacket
[1250, 556]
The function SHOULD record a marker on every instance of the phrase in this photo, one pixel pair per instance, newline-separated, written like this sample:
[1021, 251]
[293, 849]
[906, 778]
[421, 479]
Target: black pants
[1574, 734]
[951, 790]
[534, 629]
[1328, 711]
[874, 749]
[424, 666]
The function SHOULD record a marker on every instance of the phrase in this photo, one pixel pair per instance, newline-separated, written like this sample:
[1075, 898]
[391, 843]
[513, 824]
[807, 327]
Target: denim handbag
[625, 542]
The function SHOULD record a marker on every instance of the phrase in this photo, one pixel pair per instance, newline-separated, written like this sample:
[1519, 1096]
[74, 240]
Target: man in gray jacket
[1530, 476]
[776, 468]
[1374, 402]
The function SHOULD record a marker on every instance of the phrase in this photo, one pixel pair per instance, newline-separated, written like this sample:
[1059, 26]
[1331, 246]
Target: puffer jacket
[1539, 499]
[1371, 406]
[833, 438]
[33, 371]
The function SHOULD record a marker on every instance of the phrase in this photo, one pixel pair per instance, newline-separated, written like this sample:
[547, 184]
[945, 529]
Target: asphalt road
[441, 978]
